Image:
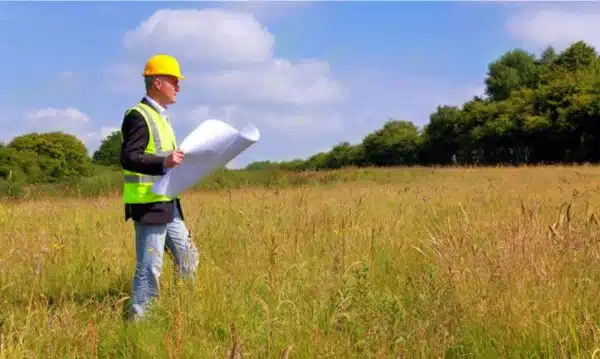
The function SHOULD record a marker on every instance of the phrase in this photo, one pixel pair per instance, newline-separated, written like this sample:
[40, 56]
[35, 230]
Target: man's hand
[174, 159]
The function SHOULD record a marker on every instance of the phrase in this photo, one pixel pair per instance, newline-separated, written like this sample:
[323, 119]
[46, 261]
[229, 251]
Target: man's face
[168, 87]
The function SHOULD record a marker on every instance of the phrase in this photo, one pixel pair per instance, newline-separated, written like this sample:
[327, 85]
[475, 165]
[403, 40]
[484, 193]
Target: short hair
[148, 80]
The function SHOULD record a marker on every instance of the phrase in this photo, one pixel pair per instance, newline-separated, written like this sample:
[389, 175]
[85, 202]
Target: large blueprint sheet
[210, 146]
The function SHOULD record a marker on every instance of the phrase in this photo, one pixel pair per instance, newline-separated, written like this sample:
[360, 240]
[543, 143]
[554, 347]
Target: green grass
[106, 181]
[481, 263]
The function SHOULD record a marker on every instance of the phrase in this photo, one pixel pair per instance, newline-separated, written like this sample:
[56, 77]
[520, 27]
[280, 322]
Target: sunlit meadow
[497, 262]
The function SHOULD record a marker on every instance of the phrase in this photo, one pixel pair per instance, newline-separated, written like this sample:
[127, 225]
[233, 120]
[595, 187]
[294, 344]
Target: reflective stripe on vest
[140, 178]
[138, 186]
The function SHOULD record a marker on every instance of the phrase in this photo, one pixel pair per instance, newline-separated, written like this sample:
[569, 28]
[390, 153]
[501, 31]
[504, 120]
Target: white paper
[210, 146]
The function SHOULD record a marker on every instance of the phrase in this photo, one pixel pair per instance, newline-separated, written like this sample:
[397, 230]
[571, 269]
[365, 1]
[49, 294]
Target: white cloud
[301, 122]
[66, 76]
[555, 27]
[276, 81]
[286, 121]
[69, 120]
[199, 114]
[200, 35]
[271, 11]
[56, 118]
[227, 57]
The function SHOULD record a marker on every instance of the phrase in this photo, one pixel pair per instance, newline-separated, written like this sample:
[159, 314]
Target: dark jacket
[135, 139]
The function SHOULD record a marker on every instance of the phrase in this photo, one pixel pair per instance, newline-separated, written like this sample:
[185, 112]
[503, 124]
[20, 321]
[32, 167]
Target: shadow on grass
[116, 297]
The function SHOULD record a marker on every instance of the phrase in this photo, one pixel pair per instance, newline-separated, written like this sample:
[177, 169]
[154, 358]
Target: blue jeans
[150, 243]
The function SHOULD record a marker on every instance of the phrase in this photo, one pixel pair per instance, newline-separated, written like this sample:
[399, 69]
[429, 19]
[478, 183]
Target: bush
[109, 152]
[10, 189]
[44, 158]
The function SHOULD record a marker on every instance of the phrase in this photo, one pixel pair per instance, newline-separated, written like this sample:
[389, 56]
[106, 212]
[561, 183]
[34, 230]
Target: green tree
[576, 57]
[109, 152]
[316, 161]
[51, 157]
[397, 143]
[292, 165]
[261, 165]
[344, 154]
[441, 140]
[548, 56]
[513, 70]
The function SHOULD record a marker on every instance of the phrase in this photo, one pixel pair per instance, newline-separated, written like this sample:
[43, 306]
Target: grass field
[483, 263]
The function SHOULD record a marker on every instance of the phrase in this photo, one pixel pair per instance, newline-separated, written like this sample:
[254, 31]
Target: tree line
[537, 110]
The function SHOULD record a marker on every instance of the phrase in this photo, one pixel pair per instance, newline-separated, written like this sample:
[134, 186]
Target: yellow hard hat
[162, 64]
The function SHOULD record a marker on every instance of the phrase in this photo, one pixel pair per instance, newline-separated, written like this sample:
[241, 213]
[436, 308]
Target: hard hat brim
[146, 74]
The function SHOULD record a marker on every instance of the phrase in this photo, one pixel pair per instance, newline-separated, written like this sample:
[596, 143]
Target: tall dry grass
[431, 263]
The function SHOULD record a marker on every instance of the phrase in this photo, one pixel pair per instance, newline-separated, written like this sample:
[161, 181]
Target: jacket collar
[157, 107]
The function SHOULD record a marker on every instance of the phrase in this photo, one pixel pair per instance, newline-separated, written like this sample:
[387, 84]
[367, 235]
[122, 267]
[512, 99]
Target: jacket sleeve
[135, 140]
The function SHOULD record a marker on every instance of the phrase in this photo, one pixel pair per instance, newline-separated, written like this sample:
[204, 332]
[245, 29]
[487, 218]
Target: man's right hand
[174, 159]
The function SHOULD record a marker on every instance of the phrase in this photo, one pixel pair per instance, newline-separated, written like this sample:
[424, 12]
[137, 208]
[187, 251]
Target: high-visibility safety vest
[137, 187]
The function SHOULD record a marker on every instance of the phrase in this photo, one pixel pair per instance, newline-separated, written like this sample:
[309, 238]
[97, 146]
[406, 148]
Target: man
[149, 149]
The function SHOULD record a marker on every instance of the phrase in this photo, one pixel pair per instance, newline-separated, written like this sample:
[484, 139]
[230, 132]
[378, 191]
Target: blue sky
[308, 74]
